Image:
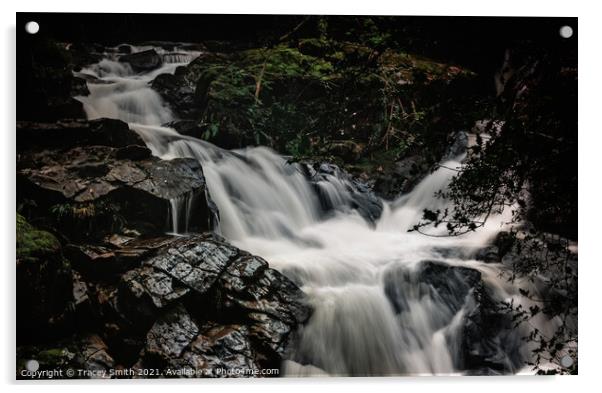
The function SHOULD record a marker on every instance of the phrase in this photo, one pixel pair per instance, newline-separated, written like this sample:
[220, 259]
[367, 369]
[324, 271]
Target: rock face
[487, 340]
[110, 178]
[147, 60]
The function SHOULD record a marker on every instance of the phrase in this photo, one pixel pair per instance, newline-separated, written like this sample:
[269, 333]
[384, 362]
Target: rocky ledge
[103, 179]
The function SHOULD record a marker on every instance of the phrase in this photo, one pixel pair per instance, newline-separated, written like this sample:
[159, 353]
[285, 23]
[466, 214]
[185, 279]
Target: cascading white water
[341, 261]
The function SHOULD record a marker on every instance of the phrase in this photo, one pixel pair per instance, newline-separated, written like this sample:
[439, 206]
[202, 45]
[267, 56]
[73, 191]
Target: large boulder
[147, 60]
[206, 303]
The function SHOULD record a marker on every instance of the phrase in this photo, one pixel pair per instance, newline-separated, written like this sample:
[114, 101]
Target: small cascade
[180, 209]
[178, 58]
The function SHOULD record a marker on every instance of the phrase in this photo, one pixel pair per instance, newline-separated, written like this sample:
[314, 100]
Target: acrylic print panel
[275, 196]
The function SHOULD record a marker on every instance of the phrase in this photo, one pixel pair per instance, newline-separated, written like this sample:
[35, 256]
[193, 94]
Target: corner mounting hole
[566, 361]
[566, 31]
[32, 27]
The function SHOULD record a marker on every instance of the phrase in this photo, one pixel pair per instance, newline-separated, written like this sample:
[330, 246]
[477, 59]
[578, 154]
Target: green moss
[33, 243]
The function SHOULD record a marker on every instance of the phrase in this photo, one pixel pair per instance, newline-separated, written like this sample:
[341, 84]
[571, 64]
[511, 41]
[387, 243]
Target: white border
[590, 191]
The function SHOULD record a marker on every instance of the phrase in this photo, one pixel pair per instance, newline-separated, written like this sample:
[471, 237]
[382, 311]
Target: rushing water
[340, 260]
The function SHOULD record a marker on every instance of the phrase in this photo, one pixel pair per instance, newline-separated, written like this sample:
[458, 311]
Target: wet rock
[488, 254]
[447, 283]
[187, 127]
[271, 294]
[458, 146]
[488, 341]
[144, 291]
[133, 152]
[178, 93]
[125, 49]
[401, 177]
[505, 242]
[359, 195]
[451, 282]
[246, 310]
[242, 272]
[100, 261]
[196, 265]
[95, 356]
[491, 344]
[112, 132]
[79, 87]
[227, 347]
[80, 291]
[271, 332]
[172, 332]
[113, 192]
[147, 60]
[91, 79]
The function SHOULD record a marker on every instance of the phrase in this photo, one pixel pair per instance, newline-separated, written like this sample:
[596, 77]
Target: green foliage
[260, 96]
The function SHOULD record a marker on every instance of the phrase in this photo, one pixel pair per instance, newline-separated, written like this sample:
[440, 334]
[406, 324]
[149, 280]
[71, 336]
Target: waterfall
[353, 271]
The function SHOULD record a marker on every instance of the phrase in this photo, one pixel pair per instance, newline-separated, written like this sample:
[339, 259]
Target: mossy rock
[33, 243]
